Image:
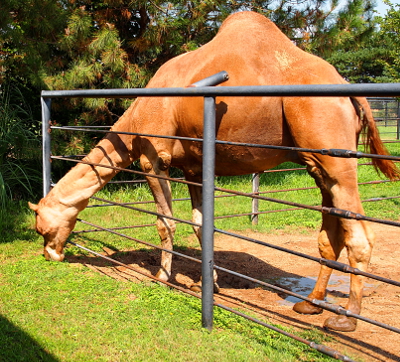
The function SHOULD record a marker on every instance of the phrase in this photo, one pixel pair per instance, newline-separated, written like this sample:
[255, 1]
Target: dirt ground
[381, 301]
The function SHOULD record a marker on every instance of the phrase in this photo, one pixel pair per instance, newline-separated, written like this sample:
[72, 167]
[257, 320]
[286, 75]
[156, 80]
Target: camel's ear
[33, 206]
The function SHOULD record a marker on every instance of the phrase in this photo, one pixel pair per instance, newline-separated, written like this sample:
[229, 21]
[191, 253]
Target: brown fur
[254, 52]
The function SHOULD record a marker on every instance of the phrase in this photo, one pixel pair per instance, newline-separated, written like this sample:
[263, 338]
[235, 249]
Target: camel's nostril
[51, 254]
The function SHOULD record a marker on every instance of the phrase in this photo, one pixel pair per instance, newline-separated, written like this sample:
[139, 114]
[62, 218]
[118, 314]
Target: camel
[253, 51]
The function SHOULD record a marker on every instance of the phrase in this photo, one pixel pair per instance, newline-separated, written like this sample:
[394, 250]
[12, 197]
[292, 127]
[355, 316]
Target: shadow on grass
[14, 223]
[16, 345]
[149, 262]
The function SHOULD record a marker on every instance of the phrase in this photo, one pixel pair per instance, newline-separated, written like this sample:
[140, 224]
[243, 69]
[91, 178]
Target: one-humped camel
[254, 52]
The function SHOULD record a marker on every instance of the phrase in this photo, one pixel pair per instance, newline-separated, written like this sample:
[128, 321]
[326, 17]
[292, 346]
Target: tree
[28, 35]
[373, 58]
[389, 35]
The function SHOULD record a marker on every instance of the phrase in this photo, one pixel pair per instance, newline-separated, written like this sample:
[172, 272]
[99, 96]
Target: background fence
[209, 94]
[386, 112]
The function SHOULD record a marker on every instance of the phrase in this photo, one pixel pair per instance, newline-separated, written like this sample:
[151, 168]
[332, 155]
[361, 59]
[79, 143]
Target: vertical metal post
[254, 202]
[46, 148]
[207, 297]
[398, 119]
[386, 111]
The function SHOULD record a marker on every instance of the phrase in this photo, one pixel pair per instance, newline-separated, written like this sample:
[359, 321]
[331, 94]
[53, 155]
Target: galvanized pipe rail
[347, 214]
[309, 90]
[324, 151]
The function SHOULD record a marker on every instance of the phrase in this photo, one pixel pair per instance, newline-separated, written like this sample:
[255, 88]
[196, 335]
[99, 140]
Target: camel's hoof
[305, 307]
[162, 275]
[197, 288]
[341, 323]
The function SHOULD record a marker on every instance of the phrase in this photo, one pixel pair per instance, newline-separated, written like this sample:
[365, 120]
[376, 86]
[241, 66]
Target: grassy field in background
[66, 312]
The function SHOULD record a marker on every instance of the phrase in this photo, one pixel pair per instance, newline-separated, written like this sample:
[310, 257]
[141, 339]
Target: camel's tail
[373, 142]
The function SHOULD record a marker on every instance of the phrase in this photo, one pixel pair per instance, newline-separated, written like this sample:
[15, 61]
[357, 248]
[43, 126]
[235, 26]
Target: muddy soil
[381, 301]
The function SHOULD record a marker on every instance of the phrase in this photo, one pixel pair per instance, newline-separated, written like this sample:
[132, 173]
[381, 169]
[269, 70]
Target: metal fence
[209, 93]
[386, 112]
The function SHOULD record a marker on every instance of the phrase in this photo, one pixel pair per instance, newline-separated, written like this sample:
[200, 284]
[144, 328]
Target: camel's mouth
[52, 255]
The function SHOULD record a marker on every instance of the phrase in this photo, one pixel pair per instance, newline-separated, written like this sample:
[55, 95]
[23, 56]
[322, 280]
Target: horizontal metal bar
[126, 170]
[333, 152]
[326, 210]
[113, 228]
[337, 309]
[330, 210]
[311, 90]
[83, 129]
[332, 264]
[111, 231]
[323, 151]
[148, 212]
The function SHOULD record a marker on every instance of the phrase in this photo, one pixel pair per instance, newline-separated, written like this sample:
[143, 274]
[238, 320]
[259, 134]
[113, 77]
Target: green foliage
[28, 38]
[345, 29]
[389, 35]
[373, 58]
[19, 150]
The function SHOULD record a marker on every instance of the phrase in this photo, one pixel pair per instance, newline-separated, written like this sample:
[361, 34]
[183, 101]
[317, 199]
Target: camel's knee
[359, 241]
[330, 245]
[164, 160]
[166, 229]
[145, 164]
[157, 162]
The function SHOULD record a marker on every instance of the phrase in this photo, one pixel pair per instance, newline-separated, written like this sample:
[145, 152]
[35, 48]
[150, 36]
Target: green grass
[66, 312]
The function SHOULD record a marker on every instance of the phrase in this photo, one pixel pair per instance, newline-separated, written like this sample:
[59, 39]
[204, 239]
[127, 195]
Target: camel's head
[55, 227]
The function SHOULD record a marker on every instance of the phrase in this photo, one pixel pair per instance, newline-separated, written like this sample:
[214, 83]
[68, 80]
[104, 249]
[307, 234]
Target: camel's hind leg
[161, 190]
[337, 180]
[197, 217]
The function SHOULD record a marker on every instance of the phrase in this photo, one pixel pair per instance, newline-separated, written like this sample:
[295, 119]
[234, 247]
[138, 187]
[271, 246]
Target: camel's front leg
[161, 191]
[197, 217]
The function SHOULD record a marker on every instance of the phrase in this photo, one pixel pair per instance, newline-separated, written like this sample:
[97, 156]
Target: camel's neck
[83, 181]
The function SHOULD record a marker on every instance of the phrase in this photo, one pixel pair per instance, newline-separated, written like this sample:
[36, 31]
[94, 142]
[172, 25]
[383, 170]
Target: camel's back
[253, 51]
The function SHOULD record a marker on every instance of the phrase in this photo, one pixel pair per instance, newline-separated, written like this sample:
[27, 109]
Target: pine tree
[389, 35]
[374, 57]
